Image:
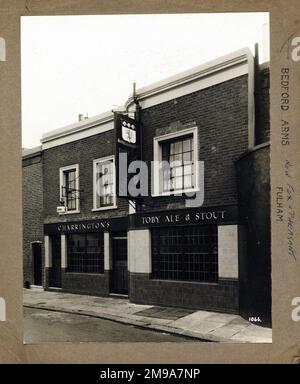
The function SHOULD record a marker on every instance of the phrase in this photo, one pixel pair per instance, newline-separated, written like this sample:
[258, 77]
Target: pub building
[159, 249]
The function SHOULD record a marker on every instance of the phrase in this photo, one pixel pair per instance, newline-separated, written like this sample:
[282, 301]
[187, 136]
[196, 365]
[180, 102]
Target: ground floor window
[185, 253]
[86, 253]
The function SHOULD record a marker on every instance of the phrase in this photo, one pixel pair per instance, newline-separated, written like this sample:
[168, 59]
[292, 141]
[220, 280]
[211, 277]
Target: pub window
[185, 253]
[175, 165]
[69, 188]
[180, 156]
[86, 253]
[104, 183]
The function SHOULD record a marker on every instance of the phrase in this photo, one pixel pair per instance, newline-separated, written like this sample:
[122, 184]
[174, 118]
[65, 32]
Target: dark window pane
[105, 183]
[179, 154]
[86, 253]
[185, 253]
[70, 192]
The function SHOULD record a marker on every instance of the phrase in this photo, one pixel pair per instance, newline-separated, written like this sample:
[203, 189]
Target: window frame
[182, 252]
[95, 162]
[84, 257]
[157, 189]
[62, 171]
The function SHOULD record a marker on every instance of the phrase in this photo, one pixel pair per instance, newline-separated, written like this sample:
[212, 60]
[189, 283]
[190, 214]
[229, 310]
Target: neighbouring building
[161, 251]
[33, 233]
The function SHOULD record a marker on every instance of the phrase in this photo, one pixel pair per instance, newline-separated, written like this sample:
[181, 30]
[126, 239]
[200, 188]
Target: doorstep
[53, 289]
[118, 295]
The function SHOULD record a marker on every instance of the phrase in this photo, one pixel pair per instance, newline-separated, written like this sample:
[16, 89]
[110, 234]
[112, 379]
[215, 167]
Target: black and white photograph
[146, 178]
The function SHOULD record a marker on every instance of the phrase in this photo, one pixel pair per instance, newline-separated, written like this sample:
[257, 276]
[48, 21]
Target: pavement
[204, 325]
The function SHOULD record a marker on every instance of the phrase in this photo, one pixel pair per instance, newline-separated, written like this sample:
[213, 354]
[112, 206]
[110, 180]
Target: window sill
[84, 273]
[181, 192]
[69, 212]
[104, 208]
[186, 281]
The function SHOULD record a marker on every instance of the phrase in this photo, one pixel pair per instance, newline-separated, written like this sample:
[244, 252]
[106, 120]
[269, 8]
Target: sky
[87, 65]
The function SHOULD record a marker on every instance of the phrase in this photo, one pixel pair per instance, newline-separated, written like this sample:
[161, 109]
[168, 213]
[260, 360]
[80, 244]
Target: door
[120, 270]
[55, 271]
[37, 263]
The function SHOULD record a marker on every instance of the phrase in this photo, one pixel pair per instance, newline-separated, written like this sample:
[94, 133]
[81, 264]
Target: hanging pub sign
[128, 150]
[128, 134]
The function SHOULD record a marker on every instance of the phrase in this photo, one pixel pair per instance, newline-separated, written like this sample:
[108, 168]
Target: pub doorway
[119, 277]
[36, 249]
[55, 271]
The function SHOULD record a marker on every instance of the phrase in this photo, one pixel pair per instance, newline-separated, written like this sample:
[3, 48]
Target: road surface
[48, 326]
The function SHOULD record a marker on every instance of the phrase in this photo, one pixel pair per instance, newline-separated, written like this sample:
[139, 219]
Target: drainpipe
[137, 116]
[257, 126]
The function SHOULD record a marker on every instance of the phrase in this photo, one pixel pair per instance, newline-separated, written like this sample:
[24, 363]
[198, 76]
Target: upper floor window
[104, 183]
[69, 188]
[179, 154]
[176, 158]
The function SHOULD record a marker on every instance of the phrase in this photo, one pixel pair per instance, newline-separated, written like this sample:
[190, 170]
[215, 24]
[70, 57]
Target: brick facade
[33, 218]
[221, 114]
[255, 262]
[221, 297]
[81, 152]
[86, 284]
[262, 94]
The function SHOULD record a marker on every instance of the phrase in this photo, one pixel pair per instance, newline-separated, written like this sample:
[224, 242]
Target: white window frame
[157, 157]
[95, 162]
[61, 183]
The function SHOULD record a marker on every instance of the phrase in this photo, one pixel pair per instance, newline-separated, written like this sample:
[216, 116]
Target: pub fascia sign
[83, 226]
[97, 225]
[178, 218]
[204, 216]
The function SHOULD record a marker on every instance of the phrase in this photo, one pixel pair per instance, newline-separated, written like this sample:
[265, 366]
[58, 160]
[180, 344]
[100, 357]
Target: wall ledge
[254, 149]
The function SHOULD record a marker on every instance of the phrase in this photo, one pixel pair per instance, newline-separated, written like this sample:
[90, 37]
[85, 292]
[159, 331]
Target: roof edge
[78, 126]
[209, 68]
[193, 74]
[31, 152]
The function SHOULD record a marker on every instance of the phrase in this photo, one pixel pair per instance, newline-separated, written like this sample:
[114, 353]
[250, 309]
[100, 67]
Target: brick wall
[221, 115]
[255, 263]
[262, 131]
[86, 283]
[221, 297]
[32, 210]
[81, 152]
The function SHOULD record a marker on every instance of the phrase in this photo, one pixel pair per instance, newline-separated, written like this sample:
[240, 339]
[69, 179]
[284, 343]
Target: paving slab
[164, 313]
[254, 334]
[227, 332]
[223, 317]
[193, 319]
